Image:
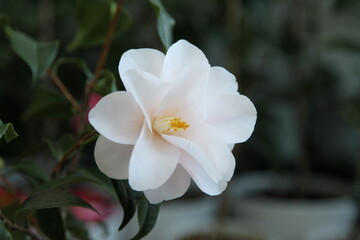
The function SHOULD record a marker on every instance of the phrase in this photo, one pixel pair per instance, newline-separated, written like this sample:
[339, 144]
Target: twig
[58, 167]
[13, 227]
[105, 50]
[64, 90]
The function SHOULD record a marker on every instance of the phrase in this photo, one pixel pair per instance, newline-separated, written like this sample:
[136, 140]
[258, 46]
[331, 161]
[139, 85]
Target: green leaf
[74, 61]
[93, 18]
[128, 199]
[56, 106]
[32, 172]
[106, 84]
[4, 234]
[51, 223]
[58, 148]
[51, 199]
[76, 228]
[7, 130]
[147, 216]
[165, 23]
[38, 55]
[61, 183]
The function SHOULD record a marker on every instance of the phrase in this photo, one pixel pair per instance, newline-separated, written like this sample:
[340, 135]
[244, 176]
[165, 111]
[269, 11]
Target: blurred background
[297, 60]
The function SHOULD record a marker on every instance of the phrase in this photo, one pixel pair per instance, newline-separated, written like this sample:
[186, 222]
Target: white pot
[282, 219]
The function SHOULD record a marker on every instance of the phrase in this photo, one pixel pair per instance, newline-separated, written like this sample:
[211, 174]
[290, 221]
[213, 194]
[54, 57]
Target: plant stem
[64, 90]
[13, 227]
[58, 167]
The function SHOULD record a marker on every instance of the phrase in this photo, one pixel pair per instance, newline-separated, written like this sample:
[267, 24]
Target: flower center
[169, 124]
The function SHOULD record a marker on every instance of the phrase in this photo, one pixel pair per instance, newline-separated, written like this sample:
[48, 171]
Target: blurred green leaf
[58, 148]
[106, 84]
[47, 104]
[51, 199]
[165, 23]
[147, 216]
[128, 199]
[4, 234]
[76, 228]
[93, 18]
[31, 172]
[75, 61]
[51, 223]
[7, 130]
[38, 55]
[61, 183]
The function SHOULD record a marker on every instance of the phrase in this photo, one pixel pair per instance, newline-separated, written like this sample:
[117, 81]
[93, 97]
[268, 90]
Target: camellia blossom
[177, 120]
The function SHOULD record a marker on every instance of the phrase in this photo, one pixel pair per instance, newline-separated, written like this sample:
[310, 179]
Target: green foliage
[58, 148]
[7, 131]
[165, 23]
[51, 223]
[61, 183]
[56, 106]
[93, 18]
[32, 172]
[147, 215]
[38, 55]
[4, 234]
[106, 84]
[73, 61]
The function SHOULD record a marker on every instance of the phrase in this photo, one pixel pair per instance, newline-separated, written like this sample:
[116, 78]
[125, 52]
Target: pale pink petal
[234, 116]
[148, 91]
[205, 145]
[173, 188]
[221, 82]
[153, 161]
[117, 117]
[178, 57]
[113, 158]
[143, 59]
[200, 177]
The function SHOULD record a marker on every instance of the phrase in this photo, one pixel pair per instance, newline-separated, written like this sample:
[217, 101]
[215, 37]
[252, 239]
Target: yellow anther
[170, 124]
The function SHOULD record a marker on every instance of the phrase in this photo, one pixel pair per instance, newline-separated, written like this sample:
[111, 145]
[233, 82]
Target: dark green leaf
[51, 199]
[165, 23]
[59, 147]
[32, 171]
[51, 223]
[147, 216]
[93, 18]
[76, 228]
[75, 61]
[61, 183]
[38, 55]
[56, 106]
[128, 199]
[7, 130]
[4, 234]
[106, 84]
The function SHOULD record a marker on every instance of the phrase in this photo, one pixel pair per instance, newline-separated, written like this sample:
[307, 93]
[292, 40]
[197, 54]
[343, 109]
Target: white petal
[200, 177]
[148, 91]
[180, 55]
[152, 162]
[144, 59]
[233, 115]
[205, 145]
[221, 82]
[117, 117]
[175, 187]
[113, 158]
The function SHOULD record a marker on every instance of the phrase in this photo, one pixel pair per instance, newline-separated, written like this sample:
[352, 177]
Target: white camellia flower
[177, 121]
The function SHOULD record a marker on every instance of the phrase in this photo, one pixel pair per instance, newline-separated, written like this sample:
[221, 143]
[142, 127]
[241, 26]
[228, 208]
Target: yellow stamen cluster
[170, 124]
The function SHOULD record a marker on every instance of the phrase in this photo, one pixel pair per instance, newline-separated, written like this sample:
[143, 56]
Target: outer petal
[117, 117]
[200, 177]
[206, 146]
[113, 158]
[173, 188]
[153, 161]
[144, 59]
[233, 115]
[221, 82]
[180, 55]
